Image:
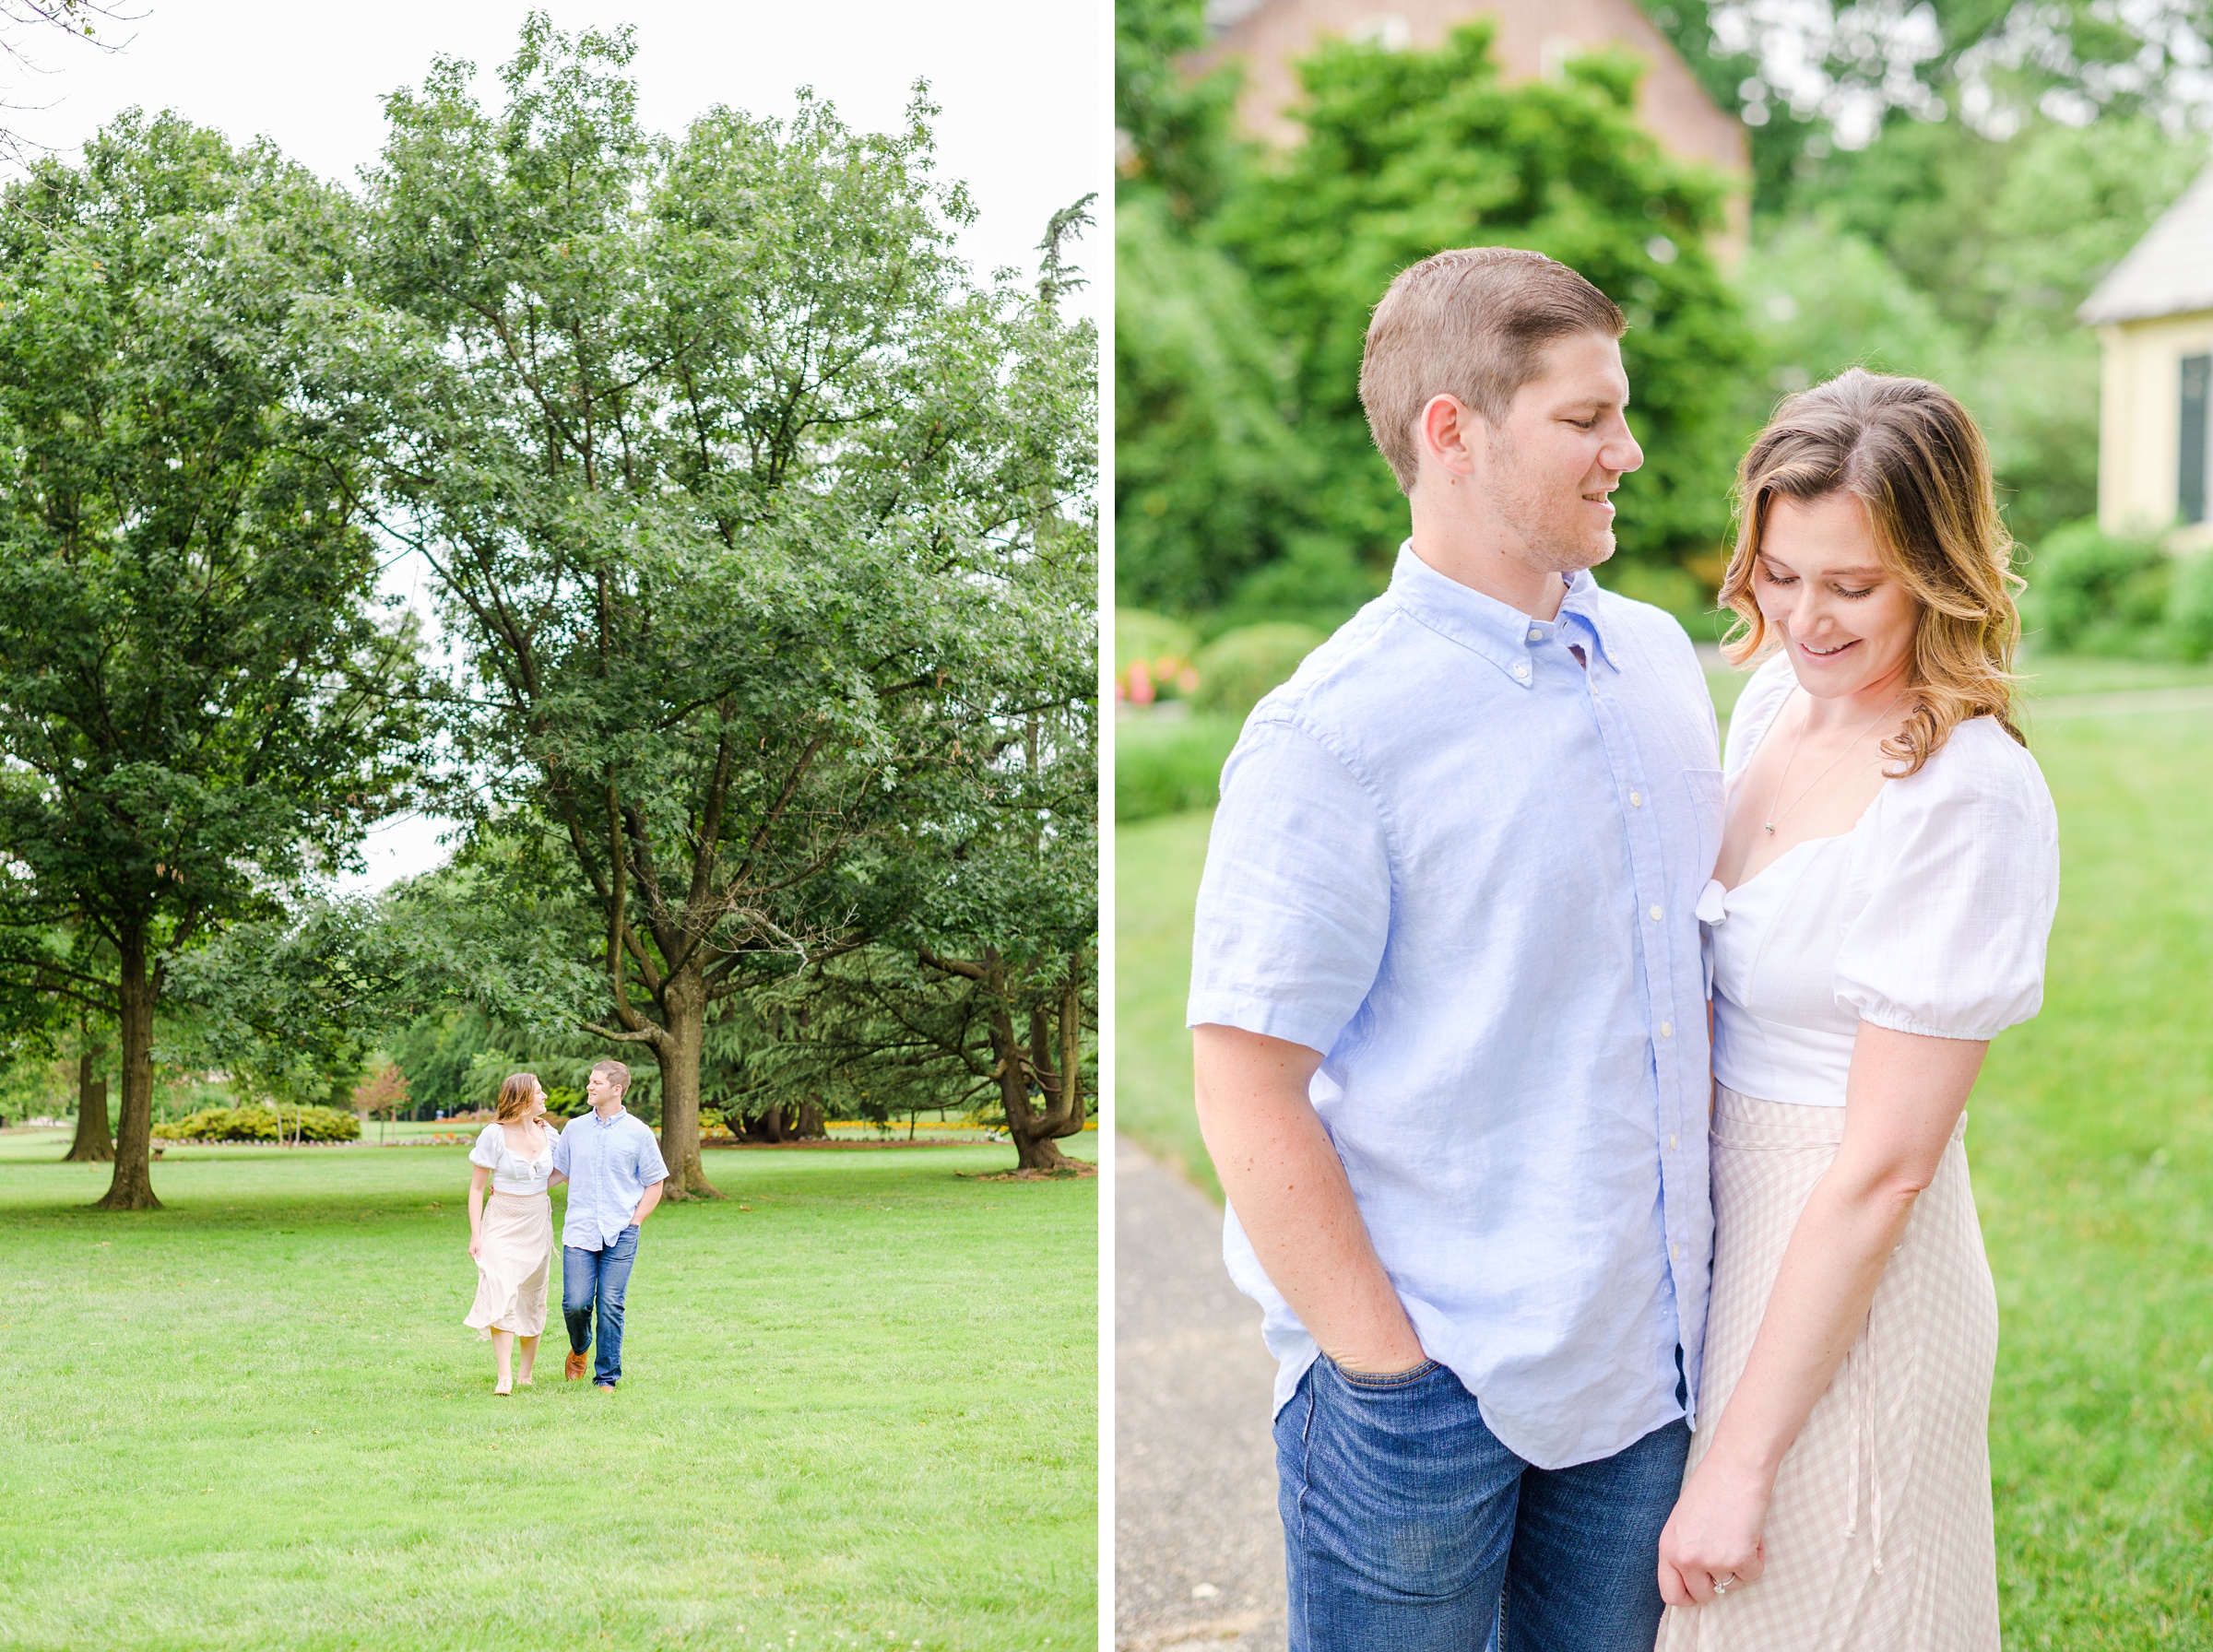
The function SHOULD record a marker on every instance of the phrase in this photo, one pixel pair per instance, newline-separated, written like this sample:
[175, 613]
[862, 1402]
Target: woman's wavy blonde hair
[1909, 452]
[515, 1091]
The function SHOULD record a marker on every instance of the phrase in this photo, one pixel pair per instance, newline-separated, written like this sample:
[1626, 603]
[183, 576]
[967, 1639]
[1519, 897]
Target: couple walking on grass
[613, 1167]
[1602, 1324]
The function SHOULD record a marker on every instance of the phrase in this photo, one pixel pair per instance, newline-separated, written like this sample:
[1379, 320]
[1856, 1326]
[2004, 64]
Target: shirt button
[1668, 1029]
[1520, 670]
[1535, 635]
[1636, 799]
[1671, 1144]
[1674, 1253]
[1655, 914]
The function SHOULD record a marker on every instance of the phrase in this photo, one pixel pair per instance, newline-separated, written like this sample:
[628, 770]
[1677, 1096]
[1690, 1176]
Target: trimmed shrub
[2091, 592]
[1163, 768]
[262, 1124]
[1241, 665]
[2190, 606]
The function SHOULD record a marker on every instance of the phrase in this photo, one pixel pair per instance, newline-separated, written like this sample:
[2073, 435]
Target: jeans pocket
[1384, 1382]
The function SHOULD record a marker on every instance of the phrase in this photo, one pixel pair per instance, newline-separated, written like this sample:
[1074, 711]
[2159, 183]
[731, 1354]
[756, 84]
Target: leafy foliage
[731, 478]
[1958, 257]
[1246, 479]
[1817, 78]
[194, 694]
[2095, 593]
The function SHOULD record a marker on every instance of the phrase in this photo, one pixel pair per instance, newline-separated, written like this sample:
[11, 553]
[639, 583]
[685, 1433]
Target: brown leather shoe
[574, 1368]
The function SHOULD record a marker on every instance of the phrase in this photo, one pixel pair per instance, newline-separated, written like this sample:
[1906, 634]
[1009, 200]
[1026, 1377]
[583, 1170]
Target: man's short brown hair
[1472, 322]
[614, 1071]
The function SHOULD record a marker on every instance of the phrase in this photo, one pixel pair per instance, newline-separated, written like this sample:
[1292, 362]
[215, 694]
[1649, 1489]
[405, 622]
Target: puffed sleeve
[1756, 708]
[486, 1150]
[1296, 900]
[1959, 879]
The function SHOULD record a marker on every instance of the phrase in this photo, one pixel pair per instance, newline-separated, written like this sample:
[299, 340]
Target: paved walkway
[1199, 1555]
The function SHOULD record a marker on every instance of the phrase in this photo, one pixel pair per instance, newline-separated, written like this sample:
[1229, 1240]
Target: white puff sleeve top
[1929, 915]
[511, 1172]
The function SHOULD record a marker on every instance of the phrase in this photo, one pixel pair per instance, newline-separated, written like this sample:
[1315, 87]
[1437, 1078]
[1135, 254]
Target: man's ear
[1453, 437]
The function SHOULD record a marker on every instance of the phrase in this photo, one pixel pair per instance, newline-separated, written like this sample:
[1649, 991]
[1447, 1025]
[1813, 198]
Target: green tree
[192, 704]
[1172, 131]
[1959, 257]
[1409, 152]
[718, 455]
[983, 991]
[1210, 479]
[1818, 79]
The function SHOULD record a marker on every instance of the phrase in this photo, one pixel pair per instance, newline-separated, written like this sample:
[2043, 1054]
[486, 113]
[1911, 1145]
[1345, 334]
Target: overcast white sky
[1020, 84]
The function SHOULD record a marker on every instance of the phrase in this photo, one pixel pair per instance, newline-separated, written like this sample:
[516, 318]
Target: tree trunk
[93, 1145]
[1033, 1134]
[683, 1021]
[133, 1187]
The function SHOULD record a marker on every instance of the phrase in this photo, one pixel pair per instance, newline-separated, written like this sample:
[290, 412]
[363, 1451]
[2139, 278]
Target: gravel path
[1199, 1553]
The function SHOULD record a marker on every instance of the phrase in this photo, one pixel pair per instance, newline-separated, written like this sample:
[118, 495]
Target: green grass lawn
[857, 1411]
[2092, 1142]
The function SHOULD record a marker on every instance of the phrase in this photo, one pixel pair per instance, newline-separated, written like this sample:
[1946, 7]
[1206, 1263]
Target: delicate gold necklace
[1774, 815]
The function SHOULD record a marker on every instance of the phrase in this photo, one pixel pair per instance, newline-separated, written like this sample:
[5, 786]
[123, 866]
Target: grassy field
[857, 1410]
[2092, 1142]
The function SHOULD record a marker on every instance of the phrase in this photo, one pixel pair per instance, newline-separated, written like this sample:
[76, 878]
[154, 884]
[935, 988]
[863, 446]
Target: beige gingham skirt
[513, 1261]
[1879, 1536]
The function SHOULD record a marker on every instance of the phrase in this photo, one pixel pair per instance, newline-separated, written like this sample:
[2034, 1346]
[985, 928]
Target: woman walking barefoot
[510, 1236]
[1886, 884]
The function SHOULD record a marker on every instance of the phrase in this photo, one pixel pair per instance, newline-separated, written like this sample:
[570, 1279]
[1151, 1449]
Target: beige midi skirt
[1879, 1535]
[512, 1262]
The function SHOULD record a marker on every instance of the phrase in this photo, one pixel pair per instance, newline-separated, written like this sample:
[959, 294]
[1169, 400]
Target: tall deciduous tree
[191, 675]
[712, 444]
[980, 987]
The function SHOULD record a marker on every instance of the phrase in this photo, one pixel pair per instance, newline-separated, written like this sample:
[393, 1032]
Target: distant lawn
[1157, 867]
[857, 1411]
[2091, 1143]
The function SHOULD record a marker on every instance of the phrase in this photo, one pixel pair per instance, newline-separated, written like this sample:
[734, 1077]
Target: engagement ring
[1721, 1585]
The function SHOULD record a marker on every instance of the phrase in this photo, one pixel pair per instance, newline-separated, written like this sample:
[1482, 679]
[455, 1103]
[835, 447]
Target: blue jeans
[1409, 1529]
[601, 1276]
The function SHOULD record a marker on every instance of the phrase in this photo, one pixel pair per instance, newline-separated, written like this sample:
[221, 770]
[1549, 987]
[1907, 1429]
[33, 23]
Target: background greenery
[1937, 190]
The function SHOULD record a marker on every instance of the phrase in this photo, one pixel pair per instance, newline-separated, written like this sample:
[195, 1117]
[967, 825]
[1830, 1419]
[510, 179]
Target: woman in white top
[510, 1236]
[1886, 884]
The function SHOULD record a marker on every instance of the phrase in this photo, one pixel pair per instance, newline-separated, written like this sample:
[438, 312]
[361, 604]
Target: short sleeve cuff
[1976, 1030]
[1271, 1018]
[486, 1154]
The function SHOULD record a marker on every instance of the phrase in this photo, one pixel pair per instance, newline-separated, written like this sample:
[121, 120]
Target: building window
[2197, 379]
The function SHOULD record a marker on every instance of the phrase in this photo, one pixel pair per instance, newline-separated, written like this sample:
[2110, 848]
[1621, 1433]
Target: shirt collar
[607, 1124]
[1486, 626]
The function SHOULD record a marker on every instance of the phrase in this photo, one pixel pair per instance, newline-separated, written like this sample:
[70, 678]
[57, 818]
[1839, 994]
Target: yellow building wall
[2139, 421]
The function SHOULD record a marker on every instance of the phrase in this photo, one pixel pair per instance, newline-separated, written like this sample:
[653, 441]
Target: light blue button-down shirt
[1465, 868]
[610, 1163]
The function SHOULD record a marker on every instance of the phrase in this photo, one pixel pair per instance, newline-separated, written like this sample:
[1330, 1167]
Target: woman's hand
[476, 1245]
[1713, 1534]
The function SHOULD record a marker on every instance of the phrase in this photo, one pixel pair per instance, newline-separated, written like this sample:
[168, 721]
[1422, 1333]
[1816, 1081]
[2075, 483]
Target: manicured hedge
[263, 1124]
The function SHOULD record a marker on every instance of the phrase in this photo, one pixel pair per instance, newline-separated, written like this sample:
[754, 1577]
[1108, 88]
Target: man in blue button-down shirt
[1449, 1012]
[615, 1172]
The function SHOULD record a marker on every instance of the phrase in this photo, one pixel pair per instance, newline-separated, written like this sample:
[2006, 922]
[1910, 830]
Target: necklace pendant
[1768, 827]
